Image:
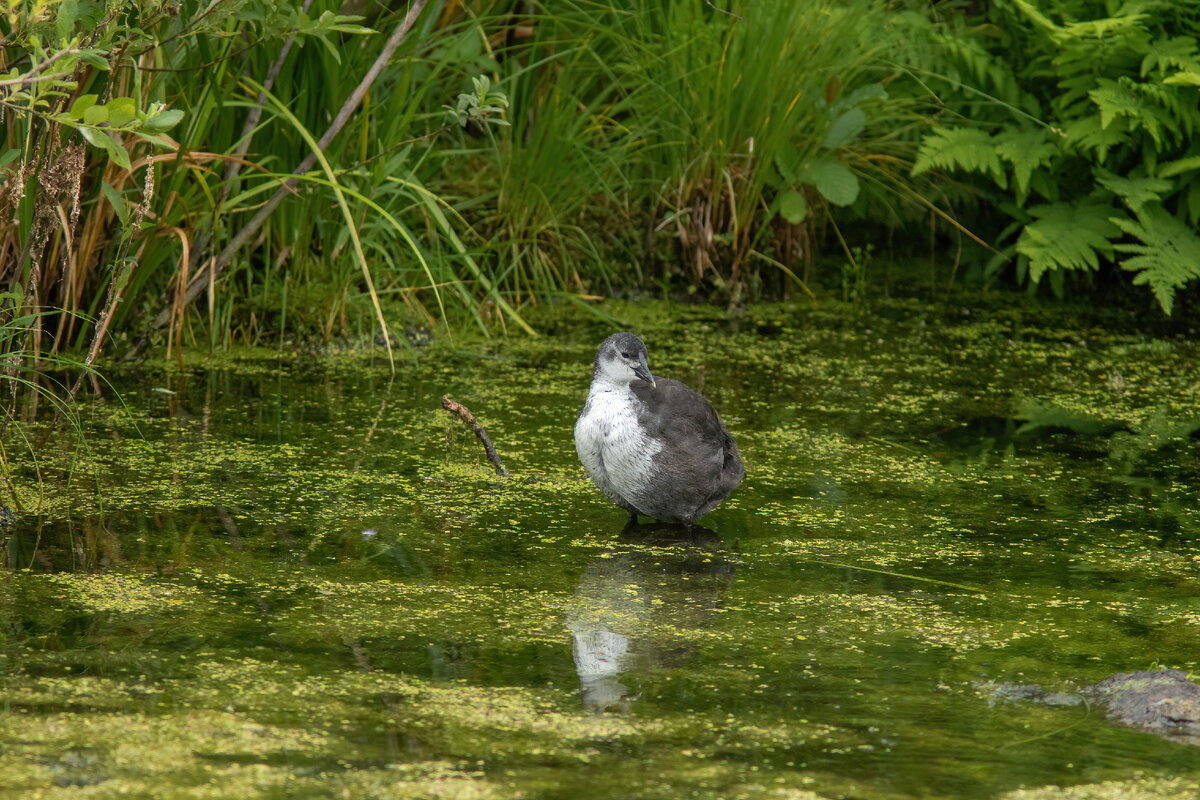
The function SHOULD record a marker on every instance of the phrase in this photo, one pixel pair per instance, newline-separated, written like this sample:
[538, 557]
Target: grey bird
[652, 445]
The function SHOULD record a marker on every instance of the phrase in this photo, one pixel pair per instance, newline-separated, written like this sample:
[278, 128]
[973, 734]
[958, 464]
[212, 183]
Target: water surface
[294, 576]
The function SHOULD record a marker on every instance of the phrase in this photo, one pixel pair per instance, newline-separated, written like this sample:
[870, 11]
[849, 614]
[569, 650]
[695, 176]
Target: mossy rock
[1162, 701]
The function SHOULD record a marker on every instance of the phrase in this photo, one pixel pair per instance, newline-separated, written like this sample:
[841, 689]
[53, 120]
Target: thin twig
[723, 11]
[466, 416]
[28, 80]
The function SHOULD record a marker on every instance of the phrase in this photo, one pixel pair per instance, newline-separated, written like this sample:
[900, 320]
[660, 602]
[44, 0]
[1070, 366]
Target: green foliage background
[511, 154]
[1079, 117]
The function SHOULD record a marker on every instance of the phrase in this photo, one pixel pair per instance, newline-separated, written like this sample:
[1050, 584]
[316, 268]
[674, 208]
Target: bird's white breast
[615, 452]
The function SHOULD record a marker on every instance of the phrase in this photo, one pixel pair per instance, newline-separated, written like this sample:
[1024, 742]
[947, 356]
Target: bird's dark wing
[697, 464]
[674, 413]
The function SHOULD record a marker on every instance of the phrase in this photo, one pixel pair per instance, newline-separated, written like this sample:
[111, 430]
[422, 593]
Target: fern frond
[1026, 151]
[1185, 77]
[1038, 19]
[1117, 99]
[1176, 104]
[1125, 28]
[1066, 237]
[1090, 136]
[1178, 53]
[983, 67]
[1179, 166]
[968, 149]
[1167, 256]
[1135, 192]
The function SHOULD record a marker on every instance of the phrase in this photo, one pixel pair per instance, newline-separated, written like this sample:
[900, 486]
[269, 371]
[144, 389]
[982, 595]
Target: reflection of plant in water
[1154, 433]
[854, 274]
[1128, 443]
[1130, 446]
[37, 379]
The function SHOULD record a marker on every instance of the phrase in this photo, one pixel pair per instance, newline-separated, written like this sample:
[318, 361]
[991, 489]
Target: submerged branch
[467, 417]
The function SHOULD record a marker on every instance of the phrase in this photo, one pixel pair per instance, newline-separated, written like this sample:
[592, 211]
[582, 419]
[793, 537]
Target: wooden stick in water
[463, 413]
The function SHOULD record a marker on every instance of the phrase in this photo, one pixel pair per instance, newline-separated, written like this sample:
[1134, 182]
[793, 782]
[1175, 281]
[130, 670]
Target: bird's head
[621, 360]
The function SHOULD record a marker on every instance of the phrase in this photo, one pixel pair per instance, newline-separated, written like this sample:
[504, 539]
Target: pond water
[293, 576]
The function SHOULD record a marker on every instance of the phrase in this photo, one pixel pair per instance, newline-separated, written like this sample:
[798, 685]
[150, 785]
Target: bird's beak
[642, 370]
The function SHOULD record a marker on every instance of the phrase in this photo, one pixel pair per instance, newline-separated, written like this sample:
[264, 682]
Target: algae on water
[298, 578]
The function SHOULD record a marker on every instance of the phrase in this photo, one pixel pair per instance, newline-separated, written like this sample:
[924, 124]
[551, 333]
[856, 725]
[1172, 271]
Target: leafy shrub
[89, 93]
[1082, 116]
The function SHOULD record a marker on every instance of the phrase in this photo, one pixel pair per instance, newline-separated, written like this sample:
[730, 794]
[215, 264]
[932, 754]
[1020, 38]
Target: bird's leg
[630, 523]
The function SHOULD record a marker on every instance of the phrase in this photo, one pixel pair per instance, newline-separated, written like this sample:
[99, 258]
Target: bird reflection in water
[642, 607]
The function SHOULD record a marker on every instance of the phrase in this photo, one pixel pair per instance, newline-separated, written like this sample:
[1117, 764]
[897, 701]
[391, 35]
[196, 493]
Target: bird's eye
[626, 355]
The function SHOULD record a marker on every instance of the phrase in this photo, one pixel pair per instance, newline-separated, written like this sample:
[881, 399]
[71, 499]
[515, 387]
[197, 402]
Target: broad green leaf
[341, 23]
[121, 110]
[116, 151]
[81, 105]
[871, 91]
[793, 207]
[64, 22]
[9, 155]
[164, 119]
[110, 145]
[787, 161]
[846, 128]
[95, 115]
[95, 58]
[834, 181]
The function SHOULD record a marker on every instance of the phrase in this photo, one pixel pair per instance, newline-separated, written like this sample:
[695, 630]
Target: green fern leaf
[1169, 169]
[1116, 100]
[1174, 107]
[1066, 237]
[1039, 19]
[1177, 53]
[1135, 192]
[1090, 136]
[1167, 256]
[968, 149]
[1124, 30]
[1026, 151]
[983, 67]
[1190, 77]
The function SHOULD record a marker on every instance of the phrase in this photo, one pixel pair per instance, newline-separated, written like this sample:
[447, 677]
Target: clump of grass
[753, 112]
